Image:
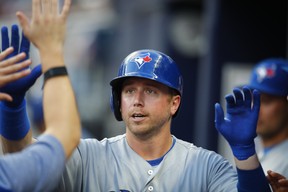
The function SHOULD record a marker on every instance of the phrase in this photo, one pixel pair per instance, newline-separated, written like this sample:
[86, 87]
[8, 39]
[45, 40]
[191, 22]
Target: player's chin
[142, 134]
[139, 129]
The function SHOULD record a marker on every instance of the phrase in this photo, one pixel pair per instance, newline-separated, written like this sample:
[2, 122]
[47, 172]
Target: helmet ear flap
[115, 104]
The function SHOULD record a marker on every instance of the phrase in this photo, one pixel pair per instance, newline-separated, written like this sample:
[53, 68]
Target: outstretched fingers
[275, 175]
[238, 96]
[24, 23]
[55, 7]
[277, 181]
[15, 39]
[8, 68]
[230, 101]
[5, 38]
[5, 97]
[25, 46]
[219, 116]
[8, 78]
[256, 100]
[6, 52]
[12, 60]
[36, 9]
[248, 97]
[46, 7]
[66, 8]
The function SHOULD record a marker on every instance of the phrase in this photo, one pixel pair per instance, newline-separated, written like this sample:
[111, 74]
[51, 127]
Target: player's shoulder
[116, 139]
[94, 147]
[185, 144]
[192, 148]
[103, 142]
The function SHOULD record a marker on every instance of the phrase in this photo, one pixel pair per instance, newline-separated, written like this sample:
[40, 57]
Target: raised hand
[10, 72]
[239, 125]
[47, 28]
[17, 89]
[277, 181]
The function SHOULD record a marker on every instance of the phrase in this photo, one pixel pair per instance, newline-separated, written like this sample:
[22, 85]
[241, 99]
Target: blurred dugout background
[215, 43]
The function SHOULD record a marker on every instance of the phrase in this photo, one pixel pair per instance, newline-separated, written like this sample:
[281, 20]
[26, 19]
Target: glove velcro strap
[243, 152]
[14, 122]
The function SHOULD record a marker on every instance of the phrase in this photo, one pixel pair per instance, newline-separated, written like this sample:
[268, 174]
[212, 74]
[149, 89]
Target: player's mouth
[138, 116]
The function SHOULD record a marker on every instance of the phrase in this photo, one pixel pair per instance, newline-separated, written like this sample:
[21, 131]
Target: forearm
[248, 170]
[61, 117]
[46, 31]
[11, 146]
[248, 164]
[15, 128]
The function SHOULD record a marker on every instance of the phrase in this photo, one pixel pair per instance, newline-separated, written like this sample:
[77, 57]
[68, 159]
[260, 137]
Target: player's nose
[138, 99]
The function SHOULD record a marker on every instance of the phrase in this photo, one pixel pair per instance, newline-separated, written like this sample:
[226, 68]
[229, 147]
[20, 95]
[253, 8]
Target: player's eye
[128, 90]
[150, 91]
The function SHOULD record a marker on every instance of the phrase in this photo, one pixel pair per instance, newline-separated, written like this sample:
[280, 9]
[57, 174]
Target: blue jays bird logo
[141, 60]
[265, 72]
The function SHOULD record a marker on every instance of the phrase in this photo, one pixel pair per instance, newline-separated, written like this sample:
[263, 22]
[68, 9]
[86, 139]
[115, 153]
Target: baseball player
[146, 95]
[40, 165]
[270, 77]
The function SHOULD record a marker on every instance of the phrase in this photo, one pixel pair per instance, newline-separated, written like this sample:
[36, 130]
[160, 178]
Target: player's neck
[151, 148]
[277, 139]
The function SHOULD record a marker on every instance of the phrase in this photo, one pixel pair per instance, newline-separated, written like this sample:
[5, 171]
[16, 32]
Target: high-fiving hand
[277, 181]
[10, 72]
[47, 28]
[17, 89]
[239, 125]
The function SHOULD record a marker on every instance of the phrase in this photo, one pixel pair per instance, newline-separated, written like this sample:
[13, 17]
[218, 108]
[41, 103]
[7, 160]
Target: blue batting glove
[18, 88]
[239, 125]
[14, 122]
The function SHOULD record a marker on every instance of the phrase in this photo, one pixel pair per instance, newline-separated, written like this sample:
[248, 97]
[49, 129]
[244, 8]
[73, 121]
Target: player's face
[273, 116]
[147, 106]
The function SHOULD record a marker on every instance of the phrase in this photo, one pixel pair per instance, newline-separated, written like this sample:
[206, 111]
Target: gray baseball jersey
[111, 165]
[275, 159]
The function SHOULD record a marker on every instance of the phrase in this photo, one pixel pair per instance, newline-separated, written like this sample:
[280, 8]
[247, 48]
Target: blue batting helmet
[271, 76]
[148, 64]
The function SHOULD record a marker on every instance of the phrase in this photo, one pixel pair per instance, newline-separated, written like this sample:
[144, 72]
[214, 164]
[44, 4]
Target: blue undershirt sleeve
[252, 181]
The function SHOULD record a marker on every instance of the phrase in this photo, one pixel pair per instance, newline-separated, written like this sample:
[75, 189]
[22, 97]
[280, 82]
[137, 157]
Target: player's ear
[176, 100]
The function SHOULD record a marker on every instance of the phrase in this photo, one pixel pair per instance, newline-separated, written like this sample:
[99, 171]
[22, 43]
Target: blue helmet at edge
[270, 76]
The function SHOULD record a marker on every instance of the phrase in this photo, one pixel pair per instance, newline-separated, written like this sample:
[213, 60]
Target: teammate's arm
[239, 129]
[47, 156]
[47, 32]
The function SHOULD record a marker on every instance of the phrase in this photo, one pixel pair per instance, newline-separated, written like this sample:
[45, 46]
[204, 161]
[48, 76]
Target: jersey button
[150, 188]
[150, 172]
